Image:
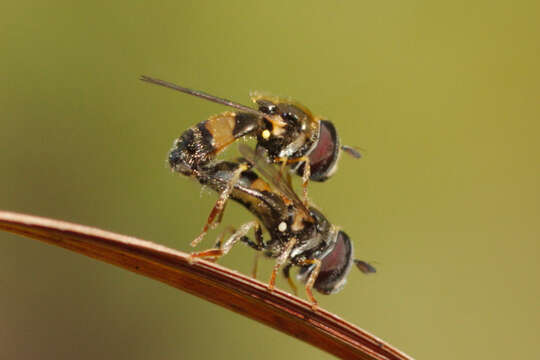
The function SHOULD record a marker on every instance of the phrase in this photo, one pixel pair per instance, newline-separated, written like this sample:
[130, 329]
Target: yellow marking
[298, 222]
[260, 206]
[278, 125]
[221, 127]
[265, 134]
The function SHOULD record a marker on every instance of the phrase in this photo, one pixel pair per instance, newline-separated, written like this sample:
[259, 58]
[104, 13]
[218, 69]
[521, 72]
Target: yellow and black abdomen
[198, 145]
[250, 191]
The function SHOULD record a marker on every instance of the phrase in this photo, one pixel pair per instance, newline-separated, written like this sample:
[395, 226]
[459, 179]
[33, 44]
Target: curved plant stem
[209, 281]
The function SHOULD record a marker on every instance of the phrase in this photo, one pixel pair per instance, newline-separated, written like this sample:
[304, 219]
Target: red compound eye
[324, 156]
[335, 266]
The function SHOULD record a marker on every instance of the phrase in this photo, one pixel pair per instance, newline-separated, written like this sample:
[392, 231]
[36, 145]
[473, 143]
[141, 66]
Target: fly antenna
[365, 267]
[351, 151]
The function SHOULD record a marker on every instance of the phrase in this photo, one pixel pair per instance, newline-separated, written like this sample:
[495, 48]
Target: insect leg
[255, 265]
[311, 279]
[220, 203]
[305, 178]
[280, 261]
[282, 172]
[220, 216]
[218, 252]
[258, 245]
[286, 273]
[289, 179]
[305, 175]
[239, 234]
[219, 239]
[282, 167]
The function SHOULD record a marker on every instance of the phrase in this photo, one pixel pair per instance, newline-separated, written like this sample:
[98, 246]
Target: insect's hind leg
[221, 236]
[226, 247]
[219, 207]
[219, 240]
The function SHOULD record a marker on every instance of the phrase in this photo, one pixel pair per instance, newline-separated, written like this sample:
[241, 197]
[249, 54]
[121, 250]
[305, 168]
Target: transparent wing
[271, 174]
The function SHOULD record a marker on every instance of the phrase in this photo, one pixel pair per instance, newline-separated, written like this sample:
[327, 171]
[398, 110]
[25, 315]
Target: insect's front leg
[311, 279]
[283, 257]
[306, 174]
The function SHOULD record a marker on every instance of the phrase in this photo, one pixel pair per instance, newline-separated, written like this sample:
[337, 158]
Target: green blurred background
[444, 98]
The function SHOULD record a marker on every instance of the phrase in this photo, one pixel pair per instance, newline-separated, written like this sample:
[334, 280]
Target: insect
[299, 235]
[290, 134]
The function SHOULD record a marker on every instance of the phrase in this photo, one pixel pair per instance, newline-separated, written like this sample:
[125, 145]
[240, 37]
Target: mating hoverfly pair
[287, 135]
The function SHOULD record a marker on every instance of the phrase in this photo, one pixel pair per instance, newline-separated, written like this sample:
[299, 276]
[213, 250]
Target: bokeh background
[444, 98]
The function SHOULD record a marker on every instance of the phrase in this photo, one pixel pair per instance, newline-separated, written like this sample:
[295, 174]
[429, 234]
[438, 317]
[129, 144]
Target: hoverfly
[290, 134]
[299, 235]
